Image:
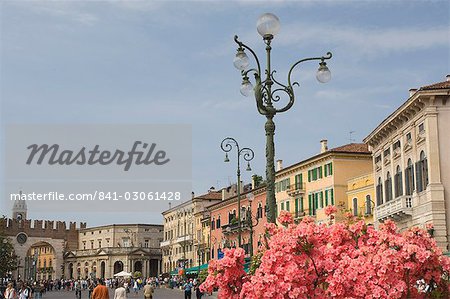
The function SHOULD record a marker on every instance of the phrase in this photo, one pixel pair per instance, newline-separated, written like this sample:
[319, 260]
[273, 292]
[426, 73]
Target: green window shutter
[331, 168]
[282, 206]
[288, 182]
[320, 171]
[325, 170]
[321, 199]
[301, 204]
[332, 197]
[326, 198]
[301, 180]
[288, 206]
[296, 181]
[296, 206]
[310, 204]
[309, 175]
[316, 200]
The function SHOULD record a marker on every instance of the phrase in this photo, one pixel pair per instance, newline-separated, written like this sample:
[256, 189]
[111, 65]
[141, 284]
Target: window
[99, 243]
[329, 199]
[328, 169]
[409, 138]
[282, 206]
[315, 174]
[259, 211]
[379, 191]
[398, 182]
[84, 244]
[387, 152]
[311, 204]
[146, 243]
[126, 242]
[218, 222]
[355, 206]
[409, 178]
[287, 206]
[368, 205]
[298, 181]
[421, 128]
[388, 187]
[212, 252]
[396, 145]
[422, 173]
[92, 244]
[377, 159]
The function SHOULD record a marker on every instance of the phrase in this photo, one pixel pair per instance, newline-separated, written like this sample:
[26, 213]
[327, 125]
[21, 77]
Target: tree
[343, 260]
[8, 257]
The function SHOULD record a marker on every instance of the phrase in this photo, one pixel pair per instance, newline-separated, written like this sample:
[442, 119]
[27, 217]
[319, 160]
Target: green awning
[196, 269]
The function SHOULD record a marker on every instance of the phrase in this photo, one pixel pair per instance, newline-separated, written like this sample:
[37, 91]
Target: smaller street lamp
[250, 198]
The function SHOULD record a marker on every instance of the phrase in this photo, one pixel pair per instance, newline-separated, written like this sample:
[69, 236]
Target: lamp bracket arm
[227, 146]
[248, 153]
[242, 45]
[323, 58]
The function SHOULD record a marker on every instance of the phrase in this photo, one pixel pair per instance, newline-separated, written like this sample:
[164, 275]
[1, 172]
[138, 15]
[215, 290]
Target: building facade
[307, 187]
[109, 249]
[224, 228]
[411, 162]
[360, 197]
[181, 244]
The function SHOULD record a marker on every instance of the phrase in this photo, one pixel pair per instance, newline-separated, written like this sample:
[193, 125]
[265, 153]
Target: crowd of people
[99, 288]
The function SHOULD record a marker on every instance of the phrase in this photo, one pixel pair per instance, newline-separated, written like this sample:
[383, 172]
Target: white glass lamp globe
[323, 73]
[268, 25]
[246, 88]
[241, 60]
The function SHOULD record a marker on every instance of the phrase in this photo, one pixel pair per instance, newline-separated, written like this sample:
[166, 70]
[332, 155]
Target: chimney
[224, 192]
[323, 145]
[254, 181]
[279, 165]
[193, 194]
[412, 91]
[447, 78]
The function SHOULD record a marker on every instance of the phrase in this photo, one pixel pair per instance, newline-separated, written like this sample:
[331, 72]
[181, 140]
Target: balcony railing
[184, 239]
[397, 209]
[296, 189]
[234, 227]
[166, 243]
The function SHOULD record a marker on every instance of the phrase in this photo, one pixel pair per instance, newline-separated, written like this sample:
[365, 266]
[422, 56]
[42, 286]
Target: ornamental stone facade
[412, 164]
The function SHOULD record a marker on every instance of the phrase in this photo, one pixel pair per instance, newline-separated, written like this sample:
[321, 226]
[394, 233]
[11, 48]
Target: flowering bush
[342, 260]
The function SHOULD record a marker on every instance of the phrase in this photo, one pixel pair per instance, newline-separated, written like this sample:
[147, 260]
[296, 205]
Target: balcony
[166, 243]
[184, 239]
[298, 215]
[296, 189]
[232, 228]
[396, 209]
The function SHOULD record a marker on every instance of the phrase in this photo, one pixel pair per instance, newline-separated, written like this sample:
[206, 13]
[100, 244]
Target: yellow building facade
[307, 187]
[43, 255]
[360, 197]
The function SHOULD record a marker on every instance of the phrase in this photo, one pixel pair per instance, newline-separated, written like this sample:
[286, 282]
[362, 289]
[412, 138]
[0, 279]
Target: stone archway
[40, 262]
[70, 274]
[118, 267]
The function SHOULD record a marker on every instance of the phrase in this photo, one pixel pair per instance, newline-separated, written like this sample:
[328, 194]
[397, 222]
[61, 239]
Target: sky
[170, 62]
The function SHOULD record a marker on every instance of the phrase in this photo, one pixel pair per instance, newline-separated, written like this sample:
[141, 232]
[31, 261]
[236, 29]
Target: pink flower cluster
[342, 260]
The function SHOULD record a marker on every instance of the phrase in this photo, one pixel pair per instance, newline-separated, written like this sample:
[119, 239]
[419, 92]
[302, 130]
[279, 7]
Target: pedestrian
[78, 289]
[148, 290]
[187, 290]
[120, 292]
[135, 287]
[100, 291]
[198, 293]
[10, 292]
[90, 289]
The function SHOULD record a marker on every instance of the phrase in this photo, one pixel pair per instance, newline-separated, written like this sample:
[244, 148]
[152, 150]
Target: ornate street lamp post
[268, 91]
[248, 155]
[250, 198]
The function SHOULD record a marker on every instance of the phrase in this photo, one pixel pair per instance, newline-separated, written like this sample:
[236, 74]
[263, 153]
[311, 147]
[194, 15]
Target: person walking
[90, 289]
[148, 290]
[198, 293]
[100, 291]
[120, 292]
[10, 292]
[187, 290]
[78, 289]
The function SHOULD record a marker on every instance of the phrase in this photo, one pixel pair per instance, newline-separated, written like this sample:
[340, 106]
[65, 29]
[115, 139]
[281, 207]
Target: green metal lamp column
[248, 155]
[268, 25]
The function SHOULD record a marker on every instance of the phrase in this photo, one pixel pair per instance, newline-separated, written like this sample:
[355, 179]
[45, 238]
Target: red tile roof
[210, 195]
[439, 85]
[352, 148]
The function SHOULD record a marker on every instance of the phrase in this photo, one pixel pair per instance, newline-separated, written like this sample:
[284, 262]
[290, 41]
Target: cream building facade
[307, 187]
[412, 163]
[109, 249]
[182, 240]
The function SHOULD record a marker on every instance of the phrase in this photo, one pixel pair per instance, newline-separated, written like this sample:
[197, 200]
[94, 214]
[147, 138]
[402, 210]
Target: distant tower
[19, 210]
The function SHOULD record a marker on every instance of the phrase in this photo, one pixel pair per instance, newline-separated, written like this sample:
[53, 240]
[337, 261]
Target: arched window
[398, 182]
[409, 178]
[368, 205]
[355, 206]
[218, 222]
[212, 252]
[422, 173]
[213, 224]
[388, 187]
[379, 190]
[259, 213]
